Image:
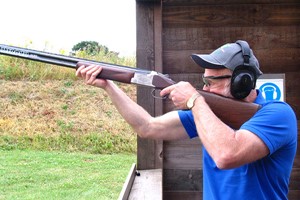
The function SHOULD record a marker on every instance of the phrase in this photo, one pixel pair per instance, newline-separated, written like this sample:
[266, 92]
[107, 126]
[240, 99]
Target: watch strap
[191, 102]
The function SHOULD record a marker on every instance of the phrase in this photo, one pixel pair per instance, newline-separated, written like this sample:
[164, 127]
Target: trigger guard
[157, 97]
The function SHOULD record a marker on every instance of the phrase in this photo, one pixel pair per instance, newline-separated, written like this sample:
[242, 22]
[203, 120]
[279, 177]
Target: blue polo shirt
[268, 178]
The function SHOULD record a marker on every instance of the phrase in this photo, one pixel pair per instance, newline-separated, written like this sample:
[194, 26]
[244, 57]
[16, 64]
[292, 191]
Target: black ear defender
[244, 76]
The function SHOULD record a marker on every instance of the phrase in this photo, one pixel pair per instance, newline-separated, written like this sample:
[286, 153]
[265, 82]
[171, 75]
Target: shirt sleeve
[187, 120]
[274, 123]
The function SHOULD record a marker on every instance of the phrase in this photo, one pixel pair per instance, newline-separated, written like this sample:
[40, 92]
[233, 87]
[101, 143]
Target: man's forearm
[134, 114]
[215, 135]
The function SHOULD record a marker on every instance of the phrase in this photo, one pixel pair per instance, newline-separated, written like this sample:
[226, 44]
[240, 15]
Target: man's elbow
[147, 134]
[145, 131]
[226, 161]
[143, 134]
[148, 129]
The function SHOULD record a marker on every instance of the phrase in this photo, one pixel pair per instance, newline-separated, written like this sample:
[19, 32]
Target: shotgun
[232, 112]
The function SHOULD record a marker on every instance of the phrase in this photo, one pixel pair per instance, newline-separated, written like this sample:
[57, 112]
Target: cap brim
[206, 61]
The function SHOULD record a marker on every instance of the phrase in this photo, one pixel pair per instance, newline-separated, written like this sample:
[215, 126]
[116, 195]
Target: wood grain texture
[224, 2]
[228, 15]
[184, 154]
[182, 195]
[182, 180]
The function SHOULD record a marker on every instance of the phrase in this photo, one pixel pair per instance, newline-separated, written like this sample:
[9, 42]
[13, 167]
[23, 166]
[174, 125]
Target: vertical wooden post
[149, 56]
[158, 52]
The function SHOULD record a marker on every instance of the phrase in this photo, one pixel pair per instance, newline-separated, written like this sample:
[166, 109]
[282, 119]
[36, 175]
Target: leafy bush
[90, 47]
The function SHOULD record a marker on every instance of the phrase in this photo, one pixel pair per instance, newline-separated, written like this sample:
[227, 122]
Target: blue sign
[270, 91]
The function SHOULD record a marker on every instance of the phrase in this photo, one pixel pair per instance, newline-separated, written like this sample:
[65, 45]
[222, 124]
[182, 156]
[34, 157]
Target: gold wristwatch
[191, 102]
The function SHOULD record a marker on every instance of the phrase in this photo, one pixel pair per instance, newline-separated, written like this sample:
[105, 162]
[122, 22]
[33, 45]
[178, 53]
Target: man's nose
[205, 88]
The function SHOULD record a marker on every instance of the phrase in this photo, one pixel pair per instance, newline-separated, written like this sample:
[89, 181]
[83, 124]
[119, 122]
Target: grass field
[56, 175]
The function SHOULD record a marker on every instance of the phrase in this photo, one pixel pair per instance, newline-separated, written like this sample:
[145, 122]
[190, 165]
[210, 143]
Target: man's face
[217, 81]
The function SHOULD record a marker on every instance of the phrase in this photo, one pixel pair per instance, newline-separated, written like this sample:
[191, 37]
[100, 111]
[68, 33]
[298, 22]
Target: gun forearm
[120, 75]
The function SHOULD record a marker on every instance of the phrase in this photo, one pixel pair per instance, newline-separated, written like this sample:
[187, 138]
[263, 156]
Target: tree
[90, 47]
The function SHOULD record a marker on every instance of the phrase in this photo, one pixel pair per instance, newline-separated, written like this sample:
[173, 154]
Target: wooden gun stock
[232, 112]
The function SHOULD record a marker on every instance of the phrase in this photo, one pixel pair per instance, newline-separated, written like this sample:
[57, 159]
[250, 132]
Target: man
[253, 162]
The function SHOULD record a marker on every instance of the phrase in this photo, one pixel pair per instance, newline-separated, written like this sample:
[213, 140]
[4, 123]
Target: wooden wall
[169, 31]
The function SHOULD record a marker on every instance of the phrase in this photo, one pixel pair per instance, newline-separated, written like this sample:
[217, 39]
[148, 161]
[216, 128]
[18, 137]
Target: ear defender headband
[243, 77]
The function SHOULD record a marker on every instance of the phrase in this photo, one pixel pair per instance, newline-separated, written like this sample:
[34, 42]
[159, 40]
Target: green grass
[55, 175]
[95, 143]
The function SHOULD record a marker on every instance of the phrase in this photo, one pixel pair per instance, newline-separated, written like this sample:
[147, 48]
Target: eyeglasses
[206, 80]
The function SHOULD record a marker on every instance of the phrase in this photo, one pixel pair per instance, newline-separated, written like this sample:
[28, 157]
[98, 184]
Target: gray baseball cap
[227, 56]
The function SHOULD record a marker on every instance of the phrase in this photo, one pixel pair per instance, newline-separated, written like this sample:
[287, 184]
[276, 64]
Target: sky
[60, 24]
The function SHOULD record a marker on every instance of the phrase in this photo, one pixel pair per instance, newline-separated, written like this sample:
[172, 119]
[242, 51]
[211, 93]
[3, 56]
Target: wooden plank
[147, 186]
[232, 15]
[148, 1]
[276, 51]
[184, 154]
[124, 195]
[295, 179]
[282, 60]
[228, 2]
[182, 195]
[182, 180]
[206, 39]
[178, 62]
